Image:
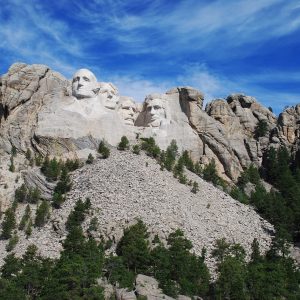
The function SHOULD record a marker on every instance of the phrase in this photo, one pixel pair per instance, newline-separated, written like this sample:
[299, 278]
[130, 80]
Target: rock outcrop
[287, 132]
[43, 111]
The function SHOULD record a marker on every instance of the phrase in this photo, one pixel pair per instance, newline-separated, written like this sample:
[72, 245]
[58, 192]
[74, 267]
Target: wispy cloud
[152, 46]
[137, 87]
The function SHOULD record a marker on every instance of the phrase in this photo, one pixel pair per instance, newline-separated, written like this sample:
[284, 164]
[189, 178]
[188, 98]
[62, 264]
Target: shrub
[38, 160]
[57, 200]
[28, 154]
[90, 159]
[72, 164]
[195, 187]
[150, 147]
[104, 150]
[210, 174]
[187, 161]
[13, 151]
[124, 144]
[136, 149]
[51, 168]
[101, 146]
[182, 179]
[12, 166]
[238, 194]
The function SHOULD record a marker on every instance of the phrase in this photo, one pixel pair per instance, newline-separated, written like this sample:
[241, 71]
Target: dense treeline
[74, 275]
[281, 205]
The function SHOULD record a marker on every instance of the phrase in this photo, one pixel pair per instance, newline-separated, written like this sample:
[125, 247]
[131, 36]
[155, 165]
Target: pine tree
[57, 200]
[12, 242]
[21, 194]
[187, 161]
[134, 247]
[25, 218]
[170, 155]
[8, 224]
[28, 229]
[34, 195]
[150, 147]
[64, 184]
[104, 150]
[261, 128]
[42, 213]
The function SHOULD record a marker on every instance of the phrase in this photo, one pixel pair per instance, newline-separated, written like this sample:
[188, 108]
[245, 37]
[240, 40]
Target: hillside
[127, 186]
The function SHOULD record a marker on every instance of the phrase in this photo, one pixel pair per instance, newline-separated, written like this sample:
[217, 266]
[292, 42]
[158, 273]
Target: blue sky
[217, 46]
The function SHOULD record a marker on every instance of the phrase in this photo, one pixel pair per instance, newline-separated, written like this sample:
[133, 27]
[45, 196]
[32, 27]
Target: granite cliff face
[39, 111]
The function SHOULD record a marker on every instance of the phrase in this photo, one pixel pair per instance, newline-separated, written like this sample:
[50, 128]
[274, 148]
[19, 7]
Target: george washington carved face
[84, 84]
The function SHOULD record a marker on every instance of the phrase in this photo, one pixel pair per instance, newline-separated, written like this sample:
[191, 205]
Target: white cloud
[138, 88]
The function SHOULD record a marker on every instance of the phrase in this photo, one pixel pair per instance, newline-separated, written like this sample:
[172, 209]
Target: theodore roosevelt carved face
[128, 111]
[84, 84]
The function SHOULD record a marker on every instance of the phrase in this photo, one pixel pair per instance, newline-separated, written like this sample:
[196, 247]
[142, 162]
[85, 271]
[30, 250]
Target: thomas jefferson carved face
[110, 94]
[127, 110]
[155, 112]
[84, 84]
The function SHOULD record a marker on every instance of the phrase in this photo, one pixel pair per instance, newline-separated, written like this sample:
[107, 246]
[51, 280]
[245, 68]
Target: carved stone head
[84, 84]
[127, 110]
[110, 94]
[155, 111]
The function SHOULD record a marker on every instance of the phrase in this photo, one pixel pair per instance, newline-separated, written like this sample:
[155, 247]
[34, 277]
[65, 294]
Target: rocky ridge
[37, 113]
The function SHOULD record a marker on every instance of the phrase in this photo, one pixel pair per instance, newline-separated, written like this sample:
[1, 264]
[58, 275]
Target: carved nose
[80, 82]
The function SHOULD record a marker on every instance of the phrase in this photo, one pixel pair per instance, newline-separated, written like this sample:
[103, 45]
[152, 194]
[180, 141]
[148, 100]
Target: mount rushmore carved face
[127, 110]
[110, 94]
[155, 111]
[84, 84]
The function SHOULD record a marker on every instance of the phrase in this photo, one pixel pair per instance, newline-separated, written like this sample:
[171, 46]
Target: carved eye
[85, 78]
[156, 107]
